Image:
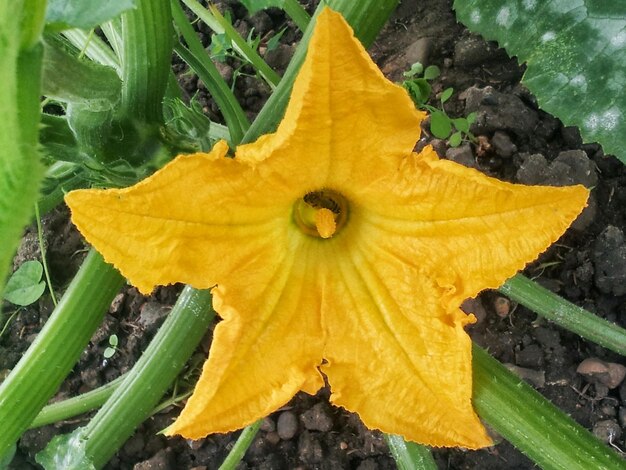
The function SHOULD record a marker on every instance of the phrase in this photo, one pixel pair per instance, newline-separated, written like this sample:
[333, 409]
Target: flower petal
[397, 358]
[468, 231]
[178, 224]
[266, 349]
[345, 121]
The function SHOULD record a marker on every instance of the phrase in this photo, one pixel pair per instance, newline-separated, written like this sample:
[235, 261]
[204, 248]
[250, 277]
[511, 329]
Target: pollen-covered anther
[325, 222]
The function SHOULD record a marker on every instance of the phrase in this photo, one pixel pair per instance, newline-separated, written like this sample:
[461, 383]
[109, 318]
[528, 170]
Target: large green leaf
[575, 51]
[84, 14]
[20, 169]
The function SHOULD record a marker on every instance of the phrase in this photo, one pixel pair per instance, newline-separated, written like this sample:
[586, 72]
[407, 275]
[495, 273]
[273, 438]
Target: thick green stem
[531, 423]
[409, 455]
[147, 35]
[133, 401]
[565, 314]
[41, 370]
[366, 17]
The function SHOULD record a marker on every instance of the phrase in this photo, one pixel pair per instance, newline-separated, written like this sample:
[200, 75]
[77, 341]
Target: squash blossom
[332, 249]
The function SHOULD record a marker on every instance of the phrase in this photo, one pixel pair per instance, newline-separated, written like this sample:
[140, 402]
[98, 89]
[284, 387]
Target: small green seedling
[442, 126]
[112, 347]
[25, 286]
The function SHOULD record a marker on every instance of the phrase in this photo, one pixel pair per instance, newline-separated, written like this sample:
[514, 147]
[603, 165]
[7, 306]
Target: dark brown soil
[520, 143]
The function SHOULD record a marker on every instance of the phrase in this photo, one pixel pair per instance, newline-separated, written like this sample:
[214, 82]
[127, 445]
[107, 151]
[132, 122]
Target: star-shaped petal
[331, 247]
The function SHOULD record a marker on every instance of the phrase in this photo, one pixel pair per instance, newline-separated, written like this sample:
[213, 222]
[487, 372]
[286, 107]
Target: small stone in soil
[596, 370]
[287, 425]
[268, 424]
[607, 430]
[502, 306]
[462, 154]
[419, 51]
[502, 144]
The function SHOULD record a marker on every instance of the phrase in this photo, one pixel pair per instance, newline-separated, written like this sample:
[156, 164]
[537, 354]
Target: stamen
[325, 222]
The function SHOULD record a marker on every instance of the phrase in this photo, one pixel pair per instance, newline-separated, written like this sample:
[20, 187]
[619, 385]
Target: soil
[517, 142]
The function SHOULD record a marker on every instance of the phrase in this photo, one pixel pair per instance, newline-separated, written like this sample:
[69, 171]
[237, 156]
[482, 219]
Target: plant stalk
[49, 359]
[565, 314]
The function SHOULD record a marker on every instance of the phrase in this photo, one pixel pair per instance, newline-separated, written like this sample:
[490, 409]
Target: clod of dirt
[279, 58]
[152, 315]
[536, 378]
[310, 448]
[598, 371]
[162, 460]
[287, 425]
[568, 168]
[471, 51]
[498, 111]
[476, 307]
[318, 418]
[531, 356]
[609, 256]
[607, 430]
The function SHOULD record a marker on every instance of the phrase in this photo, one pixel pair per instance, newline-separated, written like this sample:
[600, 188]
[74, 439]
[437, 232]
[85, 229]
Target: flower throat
[321, 213]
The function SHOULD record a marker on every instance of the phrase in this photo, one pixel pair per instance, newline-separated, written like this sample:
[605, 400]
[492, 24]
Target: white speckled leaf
[575, 51]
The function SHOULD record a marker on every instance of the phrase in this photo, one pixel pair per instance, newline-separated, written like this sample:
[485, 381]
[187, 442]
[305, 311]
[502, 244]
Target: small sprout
[416, 69]
[446, 94]
[274, 41]
[112, 348]
[25, 285]
[431, 72]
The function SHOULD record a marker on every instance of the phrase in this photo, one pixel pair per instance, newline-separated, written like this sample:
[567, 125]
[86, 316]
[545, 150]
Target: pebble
[471, 51]
[152, 314]
[607, 430]
[503, 145]
[502, 306]
[462, 154]
[419, 51]
[598, 371]
[272, 437]
[318, 418]
[287, 425]
[268, 424]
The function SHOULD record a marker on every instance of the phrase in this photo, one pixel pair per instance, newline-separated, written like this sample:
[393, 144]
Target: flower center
[321, 213]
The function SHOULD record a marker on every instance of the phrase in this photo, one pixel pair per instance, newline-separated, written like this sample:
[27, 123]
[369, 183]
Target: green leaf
[575, 56]
[471, 117]
[419, 90]
[108, 352]
[65, 451]
[455, 139]
[461, 124]
[409, 455]
[113, 341]
[254, 6]
[446, 94]
[275, 40]
[84, 14]
[431, 72]
[440, 125]
[25, 285]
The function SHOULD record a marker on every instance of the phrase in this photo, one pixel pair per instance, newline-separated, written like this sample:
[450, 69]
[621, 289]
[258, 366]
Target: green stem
[146, 55]
[239, 449]
[565, 314]
[531, 423]
[298, 14]
[44, 261]
[133, 401]
[366, 17]
[409, 455]
[76, 405]
[49, 359]
[200, 62]
[219, 24]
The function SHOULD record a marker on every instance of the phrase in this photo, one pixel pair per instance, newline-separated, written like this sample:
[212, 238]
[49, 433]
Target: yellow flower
[331, 247]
